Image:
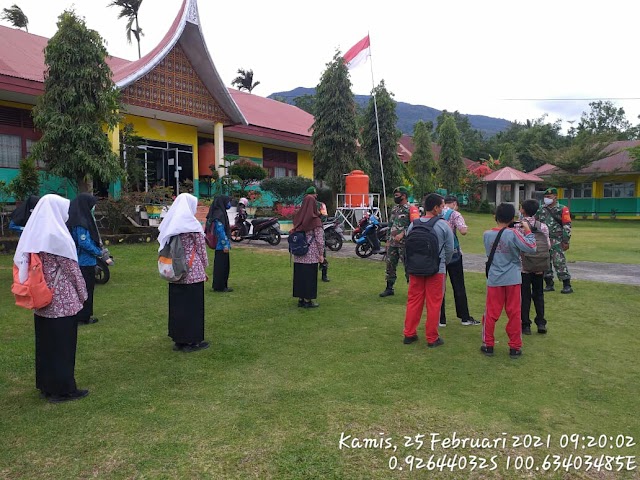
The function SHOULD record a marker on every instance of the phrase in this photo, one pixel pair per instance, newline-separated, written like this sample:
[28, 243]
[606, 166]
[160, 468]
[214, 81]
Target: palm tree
[244, 80]
[16, 16]
[129, 9]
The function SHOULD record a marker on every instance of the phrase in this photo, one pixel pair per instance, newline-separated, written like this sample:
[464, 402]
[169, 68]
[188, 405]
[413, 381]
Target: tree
[80, 103]
[287, 190]
[130, 161]
[635, 154]
[129, 10]
[244, 80]
[422, 166]
[334, 138]
[471, 139]
[306, 103]
[389, 136]
[248, 172]
[451, 168]
[605, 118]
[27, 182]
[16, 17]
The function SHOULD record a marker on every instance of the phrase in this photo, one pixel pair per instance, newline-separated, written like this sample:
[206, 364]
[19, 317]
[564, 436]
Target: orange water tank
[206, 157]
[357, 189]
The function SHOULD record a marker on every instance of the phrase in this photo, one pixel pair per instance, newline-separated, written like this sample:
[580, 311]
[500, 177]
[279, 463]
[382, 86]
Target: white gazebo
[510, 186]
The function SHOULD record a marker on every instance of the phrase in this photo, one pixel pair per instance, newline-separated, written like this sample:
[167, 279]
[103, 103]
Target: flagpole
[375, 108]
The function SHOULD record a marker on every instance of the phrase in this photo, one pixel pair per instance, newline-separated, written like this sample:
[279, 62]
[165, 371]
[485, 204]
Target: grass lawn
[610, 241]
[280, 385]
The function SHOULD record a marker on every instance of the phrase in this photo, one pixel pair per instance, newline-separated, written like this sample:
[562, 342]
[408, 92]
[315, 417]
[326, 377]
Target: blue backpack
[298, 245]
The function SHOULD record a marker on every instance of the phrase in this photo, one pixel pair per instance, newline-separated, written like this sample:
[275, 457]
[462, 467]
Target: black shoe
[527, 330]
[387, 293]
[301, 303]
[566, 288]
[310, 304]
[224, 290]
[515, 353]
[325, 278]
[542, 329]
[195, 347]
[88, 322]
[488, 351]
[470, 321]
[548, 287]
[78, 394]
[435, 344]
[409, 340]
[178, 347]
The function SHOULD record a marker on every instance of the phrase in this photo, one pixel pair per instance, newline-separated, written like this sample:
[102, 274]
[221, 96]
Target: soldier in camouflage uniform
[401, 217]
[558, 219]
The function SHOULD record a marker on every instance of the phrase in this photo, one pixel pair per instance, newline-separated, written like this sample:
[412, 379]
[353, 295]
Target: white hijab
[45, 232]
[181, 218]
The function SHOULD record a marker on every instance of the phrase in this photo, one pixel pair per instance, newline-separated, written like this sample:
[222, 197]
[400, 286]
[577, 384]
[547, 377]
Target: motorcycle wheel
[274, 237]
[355, 236]
[333, 241]
[236, 235]
[102, 273]
[364, 250]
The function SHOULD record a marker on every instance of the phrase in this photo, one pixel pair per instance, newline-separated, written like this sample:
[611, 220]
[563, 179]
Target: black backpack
[422, 251]
[298, 245]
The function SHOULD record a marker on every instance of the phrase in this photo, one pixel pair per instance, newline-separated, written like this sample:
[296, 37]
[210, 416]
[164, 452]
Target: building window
[619, 190]
[231, 148]
[10, 151]
[583, 191]
[280, 163]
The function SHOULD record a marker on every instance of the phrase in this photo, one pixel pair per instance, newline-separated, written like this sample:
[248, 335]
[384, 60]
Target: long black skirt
[89, 275]
[221, 269]
[56, 340]
[186, 312]
[305, 280]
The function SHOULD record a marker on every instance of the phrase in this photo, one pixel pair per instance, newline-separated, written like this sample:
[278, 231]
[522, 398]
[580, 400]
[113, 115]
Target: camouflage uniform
[398, 223]
[324, 266]
[558, 219]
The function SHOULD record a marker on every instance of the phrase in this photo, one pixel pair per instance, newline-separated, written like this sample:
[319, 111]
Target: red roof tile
[508, 174]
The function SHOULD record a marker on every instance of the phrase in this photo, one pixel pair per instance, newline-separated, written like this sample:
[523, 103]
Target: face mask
[228, 206]
[548, 201]
[398, 200]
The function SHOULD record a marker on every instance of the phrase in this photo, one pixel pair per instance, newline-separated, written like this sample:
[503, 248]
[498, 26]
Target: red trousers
[421, 289]
[507, 297]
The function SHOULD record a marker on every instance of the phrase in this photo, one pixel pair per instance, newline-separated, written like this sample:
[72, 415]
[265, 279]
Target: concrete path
[593, 271]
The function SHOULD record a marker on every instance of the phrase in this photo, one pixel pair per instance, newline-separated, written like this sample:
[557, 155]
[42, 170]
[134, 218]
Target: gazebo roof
[508, 174]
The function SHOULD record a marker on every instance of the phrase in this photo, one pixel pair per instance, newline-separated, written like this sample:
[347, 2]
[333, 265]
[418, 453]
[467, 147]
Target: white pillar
[218, 140]
[498, 193]
[484, 191]
[516, 198]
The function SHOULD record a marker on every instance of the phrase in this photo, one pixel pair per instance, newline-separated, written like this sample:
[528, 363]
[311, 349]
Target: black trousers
[89, 275]
[456, 276]
[186, 312]
[56, 340]
[532, 289]
[221, 269]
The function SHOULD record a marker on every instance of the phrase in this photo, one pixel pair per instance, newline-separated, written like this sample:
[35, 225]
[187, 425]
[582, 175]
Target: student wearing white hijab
[56, 326]
[186, 297]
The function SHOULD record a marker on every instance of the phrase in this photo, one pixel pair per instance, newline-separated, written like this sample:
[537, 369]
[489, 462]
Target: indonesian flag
[358, 54]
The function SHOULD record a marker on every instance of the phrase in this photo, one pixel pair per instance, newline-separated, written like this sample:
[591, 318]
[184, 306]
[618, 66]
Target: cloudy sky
[502, 58]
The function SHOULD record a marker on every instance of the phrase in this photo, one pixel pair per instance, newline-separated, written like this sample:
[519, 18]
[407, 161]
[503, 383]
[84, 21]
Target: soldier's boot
[549, 285]
[387, 291]
[566, 286]
[325, 268]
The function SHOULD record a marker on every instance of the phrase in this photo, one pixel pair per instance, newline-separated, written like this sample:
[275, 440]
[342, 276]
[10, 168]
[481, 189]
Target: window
[619, 190]
[583, 191]
[10, 151]
[280, 163]
[231, 148]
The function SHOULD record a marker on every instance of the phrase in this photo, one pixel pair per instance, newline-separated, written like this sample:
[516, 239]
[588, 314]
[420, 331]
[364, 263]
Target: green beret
[551, 191]
[402, 190]
[310, 191]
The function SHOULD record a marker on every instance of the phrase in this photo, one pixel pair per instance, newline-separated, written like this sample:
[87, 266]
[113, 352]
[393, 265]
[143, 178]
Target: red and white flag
[358, 54]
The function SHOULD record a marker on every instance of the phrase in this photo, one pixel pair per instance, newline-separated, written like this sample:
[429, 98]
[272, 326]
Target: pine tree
[389, 136]
[451, 168]
[422, 166]
[335, 134]
[80, 103]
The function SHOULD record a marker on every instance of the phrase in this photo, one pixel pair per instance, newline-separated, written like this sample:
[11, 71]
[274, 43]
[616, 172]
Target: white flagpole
[375, 107]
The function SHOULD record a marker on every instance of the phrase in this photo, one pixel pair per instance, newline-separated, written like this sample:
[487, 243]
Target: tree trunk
[138, 37]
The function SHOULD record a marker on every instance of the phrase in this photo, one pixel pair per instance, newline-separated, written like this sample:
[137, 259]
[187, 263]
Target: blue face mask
[228, 206]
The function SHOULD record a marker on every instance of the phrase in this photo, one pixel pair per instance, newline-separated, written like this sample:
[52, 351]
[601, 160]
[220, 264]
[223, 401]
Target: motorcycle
[332, 234]
[267, 229]
[366, 242]
[102, 273]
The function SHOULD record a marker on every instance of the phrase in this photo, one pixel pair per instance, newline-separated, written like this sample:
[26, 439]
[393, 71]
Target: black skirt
[89, 275]
[186, 312]
[221, 268]
[56, 340]
[305, 280]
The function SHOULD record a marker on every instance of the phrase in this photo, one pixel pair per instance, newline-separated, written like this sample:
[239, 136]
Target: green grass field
[280, 385]
[591, 241]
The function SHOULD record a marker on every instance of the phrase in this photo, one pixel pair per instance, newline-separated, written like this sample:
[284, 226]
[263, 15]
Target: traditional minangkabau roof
[508, 174]
[22, 61]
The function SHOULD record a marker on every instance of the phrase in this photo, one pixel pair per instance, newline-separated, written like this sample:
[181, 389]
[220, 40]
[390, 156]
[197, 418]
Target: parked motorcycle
[332, 234]
[370, 238]
[267, 229]
[103, 263]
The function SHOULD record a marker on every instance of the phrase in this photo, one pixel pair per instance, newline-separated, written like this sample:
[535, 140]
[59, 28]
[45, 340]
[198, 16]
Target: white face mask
[548, 201]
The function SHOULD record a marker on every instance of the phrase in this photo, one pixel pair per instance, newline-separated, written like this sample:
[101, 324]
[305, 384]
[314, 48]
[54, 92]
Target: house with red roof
[611, 185]
[175, 100]
[508, 185]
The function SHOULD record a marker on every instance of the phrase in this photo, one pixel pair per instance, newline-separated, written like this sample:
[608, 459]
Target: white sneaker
[441, 325]
[470, 321]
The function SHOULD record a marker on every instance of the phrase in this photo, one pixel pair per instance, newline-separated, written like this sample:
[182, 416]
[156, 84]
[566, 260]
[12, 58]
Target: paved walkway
[593, 271]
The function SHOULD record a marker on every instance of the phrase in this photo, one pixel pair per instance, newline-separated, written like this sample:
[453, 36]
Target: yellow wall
[24, 106]
[247, 148]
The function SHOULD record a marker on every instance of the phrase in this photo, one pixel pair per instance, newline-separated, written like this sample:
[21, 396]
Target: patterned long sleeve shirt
[315, 238]
[194, 242]
[456, 222]
[69, 293]
[223, 240]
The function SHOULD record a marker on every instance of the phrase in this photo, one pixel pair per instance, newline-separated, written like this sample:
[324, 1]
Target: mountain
[409, 114]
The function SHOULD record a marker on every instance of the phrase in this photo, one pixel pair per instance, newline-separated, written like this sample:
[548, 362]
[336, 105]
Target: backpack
[298, 246]
[34, 292]
[210, 236]
[456, 243]
[539, 261]
[422, 251]
[172, 264]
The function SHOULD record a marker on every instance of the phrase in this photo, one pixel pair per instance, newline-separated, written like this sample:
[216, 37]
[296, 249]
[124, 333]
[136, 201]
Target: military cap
[310, 191]
[551, 191]
[402, 190]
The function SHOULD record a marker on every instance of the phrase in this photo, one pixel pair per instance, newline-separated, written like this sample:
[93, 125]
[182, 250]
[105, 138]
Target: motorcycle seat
[259, 221]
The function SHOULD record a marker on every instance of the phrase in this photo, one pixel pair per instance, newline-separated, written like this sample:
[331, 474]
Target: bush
[247, 171]
[287, 190]
[286, 212]
[27, 182]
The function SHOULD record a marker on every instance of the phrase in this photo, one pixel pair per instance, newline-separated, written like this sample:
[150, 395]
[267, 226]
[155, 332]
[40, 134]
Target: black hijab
[218, 210]
[80, 215]
[22, 213]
